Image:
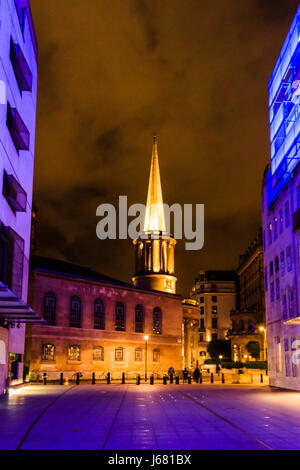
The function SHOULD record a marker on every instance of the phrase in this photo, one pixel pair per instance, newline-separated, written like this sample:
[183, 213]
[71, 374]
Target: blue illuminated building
[284, 102]
[281, 216]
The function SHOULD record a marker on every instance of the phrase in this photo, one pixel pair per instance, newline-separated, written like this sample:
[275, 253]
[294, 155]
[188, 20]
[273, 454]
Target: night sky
[111, 73]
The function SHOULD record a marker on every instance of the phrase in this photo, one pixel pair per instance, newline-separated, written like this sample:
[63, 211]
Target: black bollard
[189, 380]
[165, 380]
[151, 379]
[212, 378]
[108, 377]
[223, 378]
[61, 380]
[123, 377]
[77, 378]
[44, 378]
[138, 379]
[177, 380]
[171, 379]
[93, 378]
[261, 378]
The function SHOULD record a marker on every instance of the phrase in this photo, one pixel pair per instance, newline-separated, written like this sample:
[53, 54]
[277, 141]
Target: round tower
[154, 249]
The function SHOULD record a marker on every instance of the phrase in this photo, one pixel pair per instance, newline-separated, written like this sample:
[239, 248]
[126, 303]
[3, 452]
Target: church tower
[154, 249]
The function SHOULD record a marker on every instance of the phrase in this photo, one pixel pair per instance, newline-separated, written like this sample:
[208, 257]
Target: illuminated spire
[154, 218]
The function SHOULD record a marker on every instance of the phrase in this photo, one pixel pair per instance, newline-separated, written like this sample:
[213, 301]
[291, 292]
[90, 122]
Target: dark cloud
[111, 74]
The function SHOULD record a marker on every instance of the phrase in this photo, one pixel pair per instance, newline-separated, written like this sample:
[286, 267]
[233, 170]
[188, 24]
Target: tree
[219, 347]
[253, 349]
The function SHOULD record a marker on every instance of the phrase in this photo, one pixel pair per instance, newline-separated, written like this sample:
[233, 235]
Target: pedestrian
[185, 374]
[218, 369]
[196, 375]
[171, 372]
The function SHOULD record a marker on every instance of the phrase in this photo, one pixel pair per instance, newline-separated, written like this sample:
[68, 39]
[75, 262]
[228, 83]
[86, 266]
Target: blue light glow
[284, 110]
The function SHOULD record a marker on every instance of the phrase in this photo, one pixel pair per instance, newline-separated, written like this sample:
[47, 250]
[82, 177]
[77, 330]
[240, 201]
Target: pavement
[118, 417]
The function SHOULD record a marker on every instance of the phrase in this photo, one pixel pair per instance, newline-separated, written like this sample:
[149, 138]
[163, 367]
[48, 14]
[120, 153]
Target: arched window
[48, 352]
[74, 352]
[156, 355]
[98, 353]
[49, 309]
[119, 354]
[99, 315]
[75, 312]
[138, 355]
[120, 316]
[139, 319]
[157, 320]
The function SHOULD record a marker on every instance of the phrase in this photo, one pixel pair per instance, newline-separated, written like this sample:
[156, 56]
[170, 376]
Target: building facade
[280, 217]
[18, 94]
[97, 324]
[248, 326]
[216, 292]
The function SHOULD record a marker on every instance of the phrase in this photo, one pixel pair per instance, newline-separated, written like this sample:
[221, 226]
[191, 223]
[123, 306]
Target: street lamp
[262, 329]
[146, 337]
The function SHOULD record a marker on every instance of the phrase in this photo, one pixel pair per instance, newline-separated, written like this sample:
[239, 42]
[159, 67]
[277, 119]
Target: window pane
[50, 308]
[120, 316]
[98, 353]
[119, 354]
[74, 353]
[75, 312]
[99, 315]
[48, 352]
[139, 319]
[157, 320]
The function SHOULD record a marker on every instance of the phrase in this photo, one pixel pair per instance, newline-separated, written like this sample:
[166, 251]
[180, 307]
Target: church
[94, 323]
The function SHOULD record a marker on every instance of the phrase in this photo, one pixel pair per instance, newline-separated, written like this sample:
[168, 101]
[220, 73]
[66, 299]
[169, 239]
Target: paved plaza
[117, 417]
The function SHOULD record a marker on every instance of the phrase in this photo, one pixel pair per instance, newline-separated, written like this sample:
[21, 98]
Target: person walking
[196, 375]
[185, 374]
[171, 372]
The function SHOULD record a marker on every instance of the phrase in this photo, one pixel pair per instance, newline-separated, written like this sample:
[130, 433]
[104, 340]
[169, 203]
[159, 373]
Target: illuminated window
[138, 355]
[120, 316]
[139, 319]
[49, 310]
[74, 353]
[98, 354]
[75, 312]
[156, 355]
[48, 352]
[99, 315]
[157, 320]
[214, 309]
[119, 354]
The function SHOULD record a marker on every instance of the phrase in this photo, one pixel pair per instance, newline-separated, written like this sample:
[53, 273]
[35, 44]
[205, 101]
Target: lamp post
[262, 329]
[146, 345]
